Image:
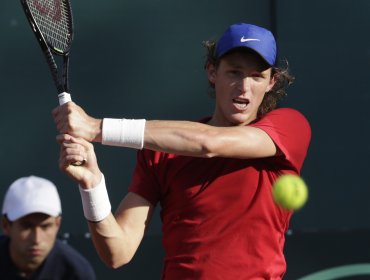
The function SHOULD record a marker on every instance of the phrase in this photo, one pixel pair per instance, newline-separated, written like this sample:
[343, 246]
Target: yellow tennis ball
[290, 191]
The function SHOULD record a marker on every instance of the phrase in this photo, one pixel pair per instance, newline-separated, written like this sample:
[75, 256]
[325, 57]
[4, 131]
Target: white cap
[29, 195]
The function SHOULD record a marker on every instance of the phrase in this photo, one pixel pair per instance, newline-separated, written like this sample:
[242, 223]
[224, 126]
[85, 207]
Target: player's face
[31, 239]
[241, 82]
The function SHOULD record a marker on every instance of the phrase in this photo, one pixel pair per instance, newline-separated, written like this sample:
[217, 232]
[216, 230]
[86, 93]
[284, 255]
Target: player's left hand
[73, 150]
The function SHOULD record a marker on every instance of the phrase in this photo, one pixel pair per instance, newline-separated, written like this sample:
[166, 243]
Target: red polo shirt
[219, 217]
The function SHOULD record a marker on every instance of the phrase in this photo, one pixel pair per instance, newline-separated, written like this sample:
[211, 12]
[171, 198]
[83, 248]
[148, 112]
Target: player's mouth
[35, 252]
[241, 103]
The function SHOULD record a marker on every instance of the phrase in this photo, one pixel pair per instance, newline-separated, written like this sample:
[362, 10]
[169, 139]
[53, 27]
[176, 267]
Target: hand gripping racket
[51, 22]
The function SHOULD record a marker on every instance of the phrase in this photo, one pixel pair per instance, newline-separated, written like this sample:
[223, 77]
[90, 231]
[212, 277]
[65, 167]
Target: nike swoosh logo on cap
[242, 39]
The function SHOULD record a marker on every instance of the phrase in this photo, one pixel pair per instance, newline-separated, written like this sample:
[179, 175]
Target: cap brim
[22, 212]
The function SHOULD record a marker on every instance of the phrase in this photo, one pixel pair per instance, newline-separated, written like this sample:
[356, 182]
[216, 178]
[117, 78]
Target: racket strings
[54, 20]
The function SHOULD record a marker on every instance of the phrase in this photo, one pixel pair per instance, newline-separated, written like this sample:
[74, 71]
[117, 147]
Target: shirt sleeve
[290, 131]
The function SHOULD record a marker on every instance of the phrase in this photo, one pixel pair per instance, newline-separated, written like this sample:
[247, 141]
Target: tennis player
[212, 178]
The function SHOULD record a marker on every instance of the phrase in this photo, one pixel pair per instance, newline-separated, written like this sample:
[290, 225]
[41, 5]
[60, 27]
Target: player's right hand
[73, 150]
[72, 119]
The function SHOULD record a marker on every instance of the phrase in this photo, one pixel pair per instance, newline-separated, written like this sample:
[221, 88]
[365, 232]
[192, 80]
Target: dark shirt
[62, 263]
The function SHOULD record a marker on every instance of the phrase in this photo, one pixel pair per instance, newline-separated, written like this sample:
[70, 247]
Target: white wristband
[123, 132]
[95, 202]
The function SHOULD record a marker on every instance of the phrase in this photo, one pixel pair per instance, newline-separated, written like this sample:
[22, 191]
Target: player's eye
[256, 75]
[46, 226]
[234, 73]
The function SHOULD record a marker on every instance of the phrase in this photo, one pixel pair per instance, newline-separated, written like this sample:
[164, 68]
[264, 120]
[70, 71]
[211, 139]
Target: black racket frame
[61, 82]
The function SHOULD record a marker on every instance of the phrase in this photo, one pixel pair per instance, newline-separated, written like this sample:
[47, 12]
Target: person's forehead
[243, 56]
[36, 218]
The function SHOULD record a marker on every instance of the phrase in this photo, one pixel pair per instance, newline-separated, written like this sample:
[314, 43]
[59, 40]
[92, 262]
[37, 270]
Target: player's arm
[197, 139]
[181, 137]
[116, 238]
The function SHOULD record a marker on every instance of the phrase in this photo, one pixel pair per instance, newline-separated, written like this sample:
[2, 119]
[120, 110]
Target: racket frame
[61, 83]
[48, 50]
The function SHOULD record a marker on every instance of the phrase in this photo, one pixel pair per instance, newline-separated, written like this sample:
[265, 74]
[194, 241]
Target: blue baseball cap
[250, 36]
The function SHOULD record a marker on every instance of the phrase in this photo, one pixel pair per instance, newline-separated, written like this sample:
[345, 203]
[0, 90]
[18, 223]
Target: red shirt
[219, 217]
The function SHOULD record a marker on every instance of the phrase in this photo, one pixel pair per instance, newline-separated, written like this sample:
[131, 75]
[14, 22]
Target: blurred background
[144, 59]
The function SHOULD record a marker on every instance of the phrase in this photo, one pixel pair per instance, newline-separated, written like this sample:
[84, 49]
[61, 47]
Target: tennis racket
[51, 22]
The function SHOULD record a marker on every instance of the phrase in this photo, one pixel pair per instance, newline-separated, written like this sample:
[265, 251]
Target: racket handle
[64, 97]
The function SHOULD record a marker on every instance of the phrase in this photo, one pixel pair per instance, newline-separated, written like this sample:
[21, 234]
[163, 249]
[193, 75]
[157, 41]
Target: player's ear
[5, 224]
[271, 83]
[211, 72]
[58, 221]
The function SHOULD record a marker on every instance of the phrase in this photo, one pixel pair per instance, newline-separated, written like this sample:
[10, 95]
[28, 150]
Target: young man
[29, 249]
[212, 178]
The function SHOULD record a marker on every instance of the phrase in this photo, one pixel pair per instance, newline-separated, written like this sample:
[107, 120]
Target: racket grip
[64, 97]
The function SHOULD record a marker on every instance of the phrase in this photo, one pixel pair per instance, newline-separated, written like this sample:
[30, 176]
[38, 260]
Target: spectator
[30, 249]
